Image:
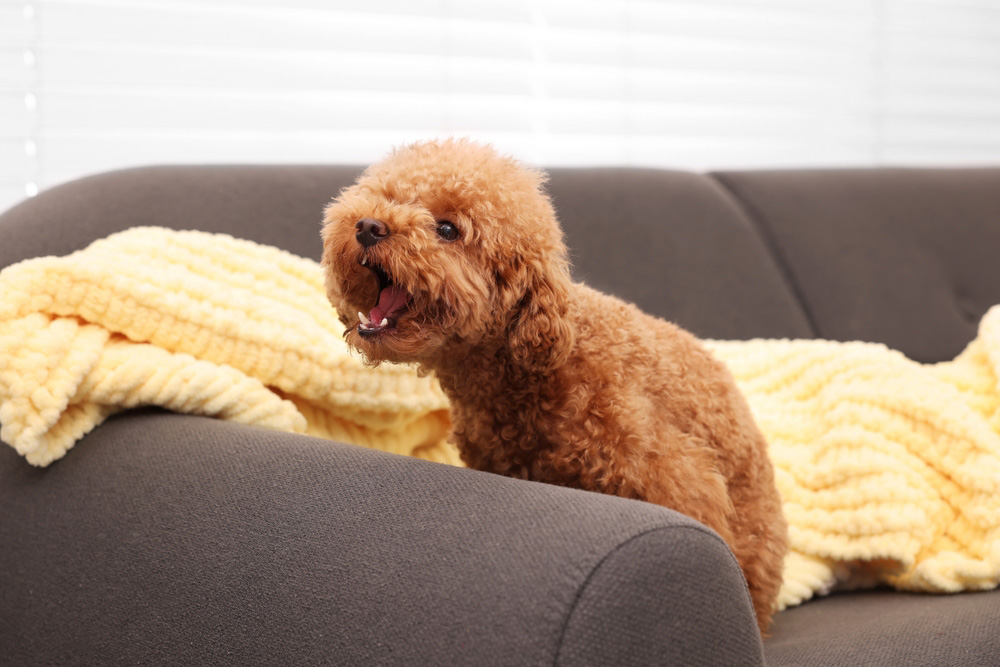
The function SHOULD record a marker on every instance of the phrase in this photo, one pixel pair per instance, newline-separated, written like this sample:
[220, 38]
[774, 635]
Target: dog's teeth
[364, 320]
[384, 322]
[364, 260]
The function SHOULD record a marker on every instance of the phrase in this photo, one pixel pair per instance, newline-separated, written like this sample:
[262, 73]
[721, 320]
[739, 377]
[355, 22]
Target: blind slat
[89, 85]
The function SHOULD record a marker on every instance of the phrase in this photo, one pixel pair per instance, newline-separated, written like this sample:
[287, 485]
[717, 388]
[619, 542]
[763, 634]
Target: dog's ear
[540, 336]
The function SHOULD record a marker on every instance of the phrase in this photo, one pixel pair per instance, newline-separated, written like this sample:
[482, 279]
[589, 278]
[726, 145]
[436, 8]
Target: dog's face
[446, 244]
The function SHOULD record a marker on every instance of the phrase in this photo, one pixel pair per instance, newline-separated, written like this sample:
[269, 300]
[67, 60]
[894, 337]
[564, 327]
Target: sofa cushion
[905, 257]
[888, 628]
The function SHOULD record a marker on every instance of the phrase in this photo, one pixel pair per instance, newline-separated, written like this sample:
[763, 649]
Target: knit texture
[889, 469]
[198, 323]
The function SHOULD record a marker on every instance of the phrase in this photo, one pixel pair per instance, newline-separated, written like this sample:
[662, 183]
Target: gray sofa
[171, 539]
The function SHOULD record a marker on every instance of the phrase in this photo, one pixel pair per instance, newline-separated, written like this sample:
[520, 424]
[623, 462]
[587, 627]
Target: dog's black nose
[370, 231]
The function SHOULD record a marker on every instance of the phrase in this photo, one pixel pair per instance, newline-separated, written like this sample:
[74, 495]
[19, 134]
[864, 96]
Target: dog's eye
[447, 230]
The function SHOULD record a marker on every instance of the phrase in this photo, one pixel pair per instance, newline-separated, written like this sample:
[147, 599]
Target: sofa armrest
[165, 538]
[666, 596]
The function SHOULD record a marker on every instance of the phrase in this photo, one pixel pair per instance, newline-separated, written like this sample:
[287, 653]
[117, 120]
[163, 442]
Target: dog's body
[461, 253]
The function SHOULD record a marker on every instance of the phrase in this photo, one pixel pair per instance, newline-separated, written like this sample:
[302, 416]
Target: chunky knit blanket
[198, 323]
[889, 469]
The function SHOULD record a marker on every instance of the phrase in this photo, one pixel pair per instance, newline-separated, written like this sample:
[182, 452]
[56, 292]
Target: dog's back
[677, 430]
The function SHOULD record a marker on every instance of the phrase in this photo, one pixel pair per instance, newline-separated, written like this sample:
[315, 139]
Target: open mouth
[392, 302]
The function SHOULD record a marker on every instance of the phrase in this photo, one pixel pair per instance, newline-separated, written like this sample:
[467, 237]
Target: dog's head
[446, 244]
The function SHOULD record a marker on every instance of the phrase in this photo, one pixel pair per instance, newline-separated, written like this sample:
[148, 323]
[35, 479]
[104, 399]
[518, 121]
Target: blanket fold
[889, 470]
[200, 323]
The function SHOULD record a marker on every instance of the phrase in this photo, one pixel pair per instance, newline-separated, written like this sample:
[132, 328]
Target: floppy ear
[540, 335]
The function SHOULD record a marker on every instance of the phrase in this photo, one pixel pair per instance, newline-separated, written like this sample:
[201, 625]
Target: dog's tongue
[390, 300]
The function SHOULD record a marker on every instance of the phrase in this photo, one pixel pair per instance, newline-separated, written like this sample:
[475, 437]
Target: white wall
[91, 85]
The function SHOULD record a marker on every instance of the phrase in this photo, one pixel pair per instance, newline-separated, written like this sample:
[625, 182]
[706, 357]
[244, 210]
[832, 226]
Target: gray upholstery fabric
[170, 539]
[889, 629]
[278, 205]
[651, 617]
[673, 243]
[905, 257]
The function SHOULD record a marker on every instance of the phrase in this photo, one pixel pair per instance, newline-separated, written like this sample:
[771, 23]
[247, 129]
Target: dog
[449, 255]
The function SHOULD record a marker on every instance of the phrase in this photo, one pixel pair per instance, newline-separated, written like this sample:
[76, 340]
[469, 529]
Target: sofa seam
[756, 219]
[600, 563]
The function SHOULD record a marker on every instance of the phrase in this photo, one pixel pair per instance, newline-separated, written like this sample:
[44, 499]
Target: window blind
[91, 85]
[939, 76]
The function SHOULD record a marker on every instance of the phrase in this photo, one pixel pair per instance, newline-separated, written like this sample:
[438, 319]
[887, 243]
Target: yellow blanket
[889, 469]
[199, 323]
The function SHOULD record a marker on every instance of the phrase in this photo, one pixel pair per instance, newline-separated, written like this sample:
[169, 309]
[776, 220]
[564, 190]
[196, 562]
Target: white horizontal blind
[940, 82]
[19, 172]
[91, 85]
[710, 83]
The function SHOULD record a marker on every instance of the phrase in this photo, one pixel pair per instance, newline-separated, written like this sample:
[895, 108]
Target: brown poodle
[448, 255]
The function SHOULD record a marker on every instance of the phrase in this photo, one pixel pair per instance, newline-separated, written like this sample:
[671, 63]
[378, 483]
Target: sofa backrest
[677, 245]
[673, 242]
[904, 257]
[279, 205]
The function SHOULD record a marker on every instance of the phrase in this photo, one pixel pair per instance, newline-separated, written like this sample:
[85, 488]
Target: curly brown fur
[549, 380]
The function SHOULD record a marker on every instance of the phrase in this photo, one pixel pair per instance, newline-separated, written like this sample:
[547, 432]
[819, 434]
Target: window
[92, 85]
